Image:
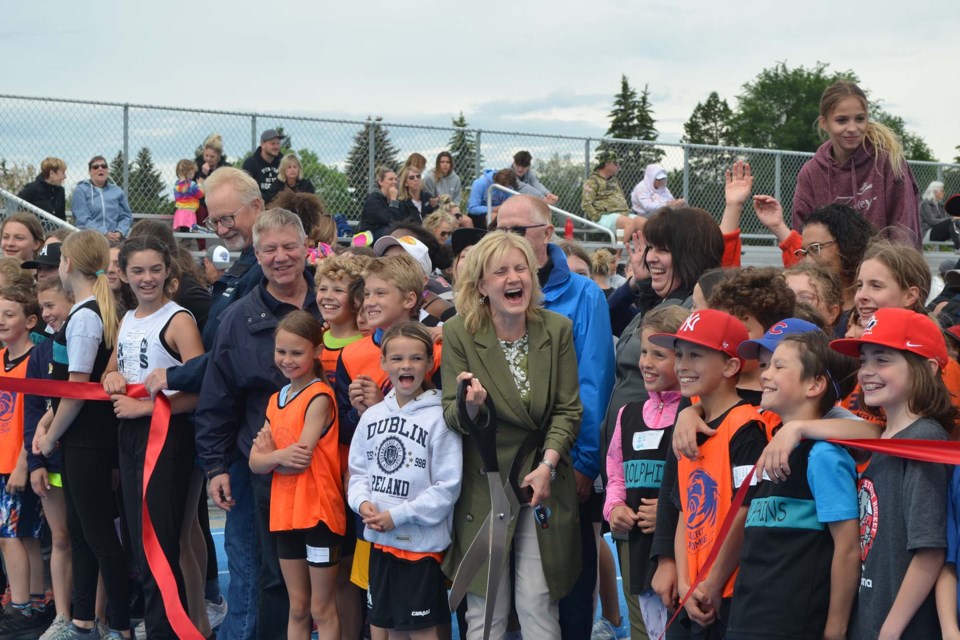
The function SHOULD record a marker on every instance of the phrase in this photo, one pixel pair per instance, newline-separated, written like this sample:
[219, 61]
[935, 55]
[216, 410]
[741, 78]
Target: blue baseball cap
[750, 350]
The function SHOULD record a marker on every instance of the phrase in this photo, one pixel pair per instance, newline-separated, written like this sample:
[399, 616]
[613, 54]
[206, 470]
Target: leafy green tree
[779, 108]
[914, 146]
[330, 184]
[565, 175]
[632, 119]
[14, 177]
[358, 160]
[463, 148]
[147, 192]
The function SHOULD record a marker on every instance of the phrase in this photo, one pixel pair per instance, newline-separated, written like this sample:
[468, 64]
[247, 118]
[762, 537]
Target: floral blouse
[516, 354]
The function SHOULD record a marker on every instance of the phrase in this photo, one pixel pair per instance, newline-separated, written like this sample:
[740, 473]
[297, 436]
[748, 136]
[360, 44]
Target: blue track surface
[623, 631]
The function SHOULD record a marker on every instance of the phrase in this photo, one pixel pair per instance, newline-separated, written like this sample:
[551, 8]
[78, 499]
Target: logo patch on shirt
[869, 516]
[391, 454]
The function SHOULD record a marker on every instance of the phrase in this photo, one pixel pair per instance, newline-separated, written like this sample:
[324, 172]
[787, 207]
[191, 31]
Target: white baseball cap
[417, 250]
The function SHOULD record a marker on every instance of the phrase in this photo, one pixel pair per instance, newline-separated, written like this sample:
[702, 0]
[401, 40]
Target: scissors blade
[474, 558]
[479, 550]
[501, 513]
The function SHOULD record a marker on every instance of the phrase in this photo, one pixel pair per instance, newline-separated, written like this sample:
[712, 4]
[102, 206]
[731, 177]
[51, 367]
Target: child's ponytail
[89, 255]
[884, 140]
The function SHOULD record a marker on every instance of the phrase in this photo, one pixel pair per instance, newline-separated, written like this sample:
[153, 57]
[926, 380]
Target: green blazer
[555, 409]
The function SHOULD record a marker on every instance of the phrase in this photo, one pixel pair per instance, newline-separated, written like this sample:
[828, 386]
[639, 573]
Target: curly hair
[26, 297]
[852, 233]
[308, 206]
[760, 292]
[342, 266]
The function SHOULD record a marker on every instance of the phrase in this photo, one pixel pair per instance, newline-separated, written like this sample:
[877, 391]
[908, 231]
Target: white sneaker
[603, 630]
[216, 612]
[140, 631]
[60, 622]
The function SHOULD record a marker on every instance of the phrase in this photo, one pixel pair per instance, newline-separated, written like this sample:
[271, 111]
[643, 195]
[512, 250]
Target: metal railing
[9, 203]
[144, 142]
[584, 222]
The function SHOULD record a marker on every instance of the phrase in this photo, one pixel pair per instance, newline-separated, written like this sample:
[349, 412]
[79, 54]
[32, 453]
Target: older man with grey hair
[240, 378]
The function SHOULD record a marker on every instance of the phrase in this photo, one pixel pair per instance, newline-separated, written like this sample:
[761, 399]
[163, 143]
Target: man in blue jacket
[581, 300]
[477, 204]
[240, 378]
[101, 205]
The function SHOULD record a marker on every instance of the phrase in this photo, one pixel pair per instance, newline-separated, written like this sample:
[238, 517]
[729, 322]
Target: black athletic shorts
[319, 546]
[405, 595]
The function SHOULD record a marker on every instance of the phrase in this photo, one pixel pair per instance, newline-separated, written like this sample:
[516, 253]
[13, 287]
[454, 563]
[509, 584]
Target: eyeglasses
[227, 222]
[521, 230]
[99, 165]
[813, 249]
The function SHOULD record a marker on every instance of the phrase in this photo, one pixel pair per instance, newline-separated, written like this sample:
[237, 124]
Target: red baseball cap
[899, 329]
[708, 328]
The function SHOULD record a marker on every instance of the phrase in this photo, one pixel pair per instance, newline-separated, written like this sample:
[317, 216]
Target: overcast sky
[536, 66]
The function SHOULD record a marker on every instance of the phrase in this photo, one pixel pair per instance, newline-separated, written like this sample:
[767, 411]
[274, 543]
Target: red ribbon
[159, 426]
[922, 450]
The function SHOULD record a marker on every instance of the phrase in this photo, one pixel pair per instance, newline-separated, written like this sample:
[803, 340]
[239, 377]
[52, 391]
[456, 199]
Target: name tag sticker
[318, 555]
[740, 474]
[647, 440]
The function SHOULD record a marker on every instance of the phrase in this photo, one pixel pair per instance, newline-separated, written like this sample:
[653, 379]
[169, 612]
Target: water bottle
[568, 230]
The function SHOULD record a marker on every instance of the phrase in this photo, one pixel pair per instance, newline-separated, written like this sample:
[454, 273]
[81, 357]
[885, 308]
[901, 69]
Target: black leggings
[166, 497]
[946, 230]
[91, 509]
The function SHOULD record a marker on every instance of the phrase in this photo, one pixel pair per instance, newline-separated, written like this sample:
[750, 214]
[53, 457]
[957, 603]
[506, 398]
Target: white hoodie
[407, 461]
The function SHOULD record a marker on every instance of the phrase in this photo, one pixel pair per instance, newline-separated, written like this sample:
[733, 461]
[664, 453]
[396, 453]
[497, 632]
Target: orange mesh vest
[706, 490]
[302, 500]
[11, 419]
[363, 358]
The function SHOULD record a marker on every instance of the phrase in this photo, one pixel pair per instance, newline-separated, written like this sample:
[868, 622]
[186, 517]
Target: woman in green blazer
[524, 358]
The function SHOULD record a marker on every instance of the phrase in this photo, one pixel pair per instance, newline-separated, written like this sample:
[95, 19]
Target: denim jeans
[274, 605]
[243, 557]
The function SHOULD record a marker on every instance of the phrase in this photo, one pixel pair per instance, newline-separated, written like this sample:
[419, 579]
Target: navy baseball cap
[750, 350]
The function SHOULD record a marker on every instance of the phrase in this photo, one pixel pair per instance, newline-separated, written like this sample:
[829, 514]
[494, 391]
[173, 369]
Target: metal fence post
[776, 174]
[477, 169]
[371, 155]
[939, 173]
[686, 173]
[126, 149]
[253, 132]
[586, 159]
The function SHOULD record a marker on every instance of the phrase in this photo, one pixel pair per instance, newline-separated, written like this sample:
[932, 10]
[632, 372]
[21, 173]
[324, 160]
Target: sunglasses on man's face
[98, 166]
[521, 230]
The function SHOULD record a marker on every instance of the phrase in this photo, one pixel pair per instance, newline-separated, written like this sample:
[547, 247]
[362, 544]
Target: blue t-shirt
[953, 523]
[832, 476]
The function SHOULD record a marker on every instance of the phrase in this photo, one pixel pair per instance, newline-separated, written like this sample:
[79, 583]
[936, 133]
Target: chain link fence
[144, 143]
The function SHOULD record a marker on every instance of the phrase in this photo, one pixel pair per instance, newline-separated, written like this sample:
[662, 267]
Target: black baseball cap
[49, 256]
[460, 239]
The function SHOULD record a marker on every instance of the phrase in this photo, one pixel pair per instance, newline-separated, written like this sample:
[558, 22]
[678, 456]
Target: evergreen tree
[632, 119]
[147, 192]
[710, 123]
[623, 116]
[116, 168]
[463, 148]
[358, 160]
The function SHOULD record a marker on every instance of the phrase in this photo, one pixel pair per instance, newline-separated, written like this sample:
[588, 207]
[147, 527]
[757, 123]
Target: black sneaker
[16, 626]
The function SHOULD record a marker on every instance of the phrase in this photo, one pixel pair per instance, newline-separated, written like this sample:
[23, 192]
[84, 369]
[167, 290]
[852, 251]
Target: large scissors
[490, 543]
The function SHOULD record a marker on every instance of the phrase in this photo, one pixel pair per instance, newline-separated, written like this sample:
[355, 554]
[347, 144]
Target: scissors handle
[483, 436]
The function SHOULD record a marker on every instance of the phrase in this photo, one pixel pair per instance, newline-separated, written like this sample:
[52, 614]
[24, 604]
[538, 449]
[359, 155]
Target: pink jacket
[659, 412]
[864, 182]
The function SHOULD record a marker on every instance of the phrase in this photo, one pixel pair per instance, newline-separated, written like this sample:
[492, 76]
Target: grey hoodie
[408, 462]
